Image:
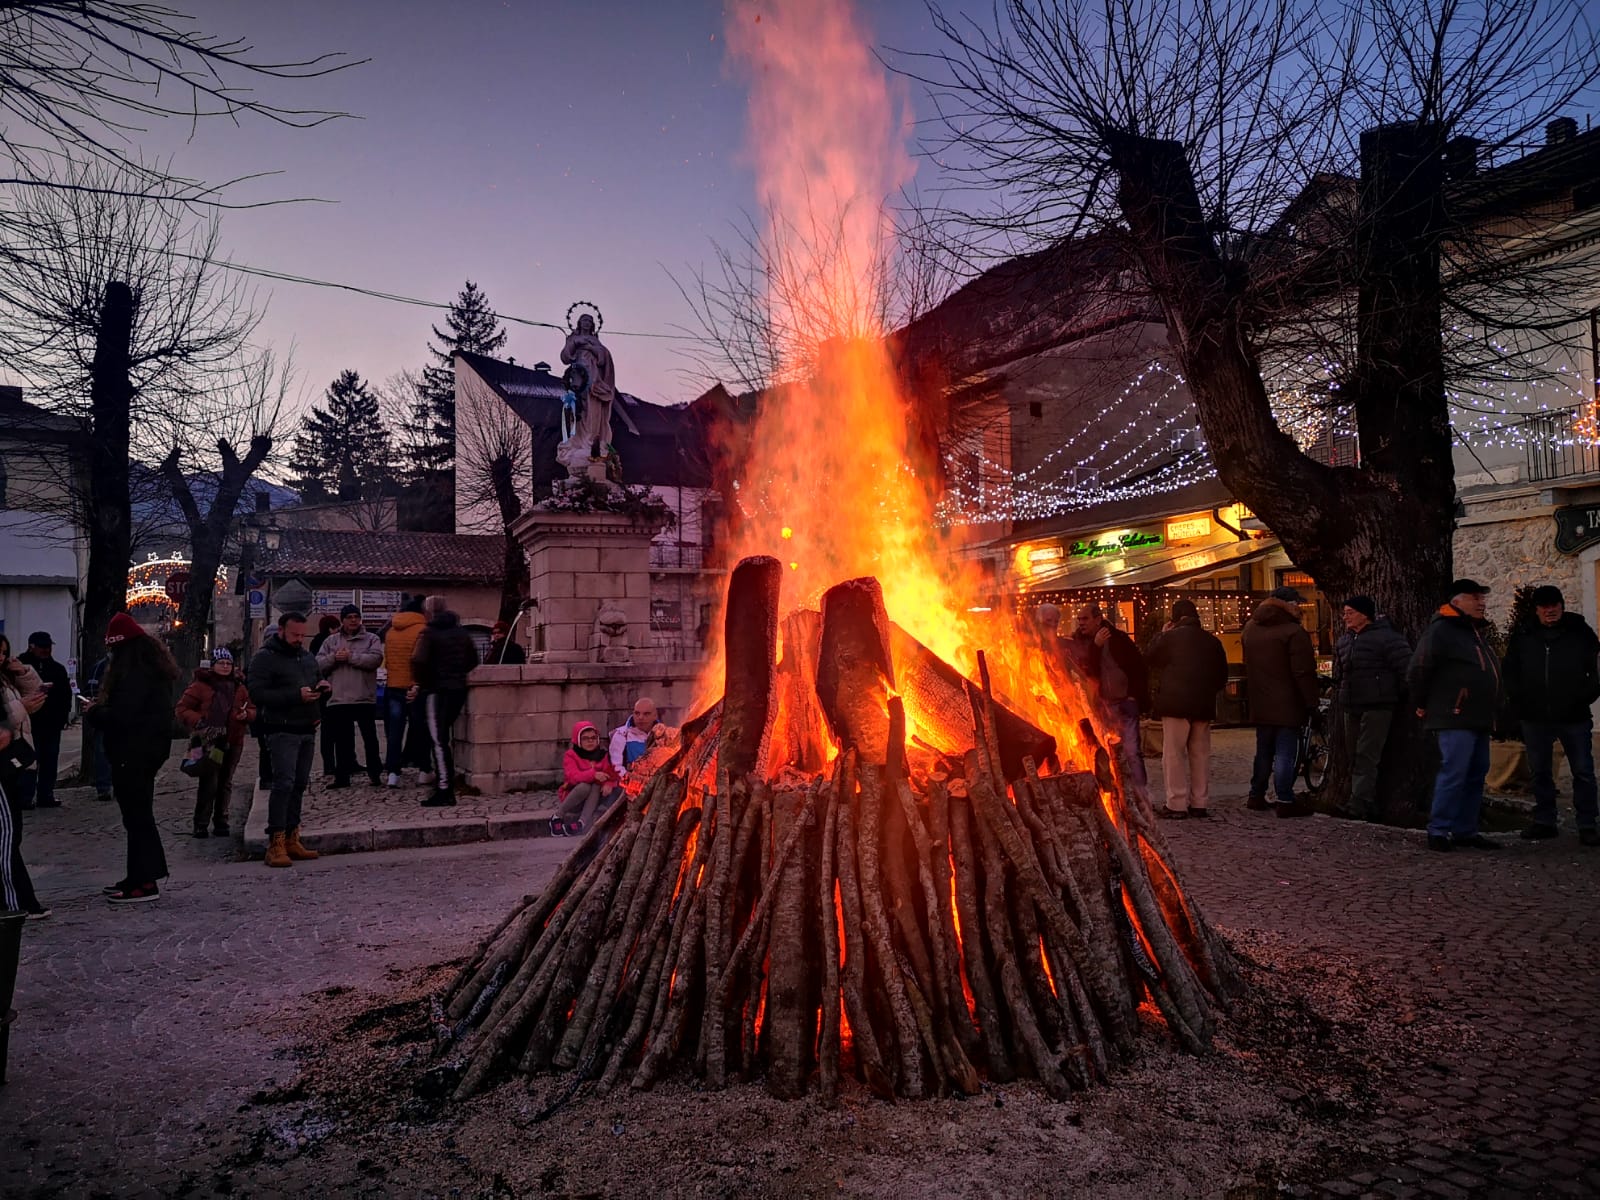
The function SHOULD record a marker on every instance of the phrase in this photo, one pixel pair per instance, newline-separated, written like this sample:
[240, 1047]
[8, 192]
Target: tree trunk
[109, 516]
[514, 583]
[1384, 528]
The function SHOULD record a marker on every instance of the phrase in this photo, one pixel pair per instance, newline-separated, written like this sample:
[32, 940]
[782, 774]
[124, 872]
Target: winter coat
[578, 767]
[504, 653]
[135, 719]
[627, 746]
[1370, 666]
[24, 684]
[1117, 668]
[355, 681]
[57, 710]
[214, 703]
[277, 673]
[1280, 668]
[444, 655]
[398, 645]
[1191, 668]
[1455, 677]
[1550, 671]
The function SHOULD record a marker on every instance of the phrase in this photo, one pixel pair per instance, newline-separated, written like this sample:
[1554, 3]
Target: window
[1035, 409]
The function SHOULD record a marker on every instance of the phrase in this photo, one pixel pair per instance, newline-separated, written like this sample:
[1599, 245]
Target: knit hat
[1287, 594]
[349, 610]
[1547, 594]
[499, 629]
[1184, 608]
[222, 654]
[1364, 605]
[122, 628]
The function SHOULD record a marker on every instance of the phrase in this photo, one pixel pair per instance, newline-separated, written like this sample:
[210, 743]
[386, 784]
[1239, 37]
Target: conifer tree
[471, 326]
[342, 447]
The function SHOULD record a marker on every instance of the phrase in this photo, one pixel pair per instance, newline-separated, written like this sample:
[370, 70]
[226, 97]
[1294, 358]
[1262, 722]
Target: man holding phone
[50, 720]
[287, 690]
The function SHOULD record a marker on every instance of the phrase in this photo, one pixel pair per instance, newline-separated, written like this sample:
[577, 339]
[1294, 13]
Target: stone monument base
[518, 720]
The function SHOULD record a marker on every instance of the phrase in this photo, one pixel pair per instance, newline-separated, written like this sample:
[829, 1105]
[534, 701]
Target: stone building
[43, 544]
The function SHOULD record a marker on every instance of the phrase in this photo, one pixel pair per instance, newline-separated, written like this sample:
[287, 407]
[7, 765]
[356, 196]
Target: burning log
[915, 916]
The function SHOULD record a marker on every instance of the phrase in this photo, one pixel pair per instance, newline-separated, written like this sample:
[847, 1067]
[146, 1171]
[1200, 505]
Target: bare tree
[1185, 129]
[494, 455]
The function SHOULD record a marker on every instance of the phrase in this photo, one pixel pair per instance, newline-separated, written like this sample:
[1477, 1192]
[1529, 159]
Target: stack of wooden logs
[771, 905]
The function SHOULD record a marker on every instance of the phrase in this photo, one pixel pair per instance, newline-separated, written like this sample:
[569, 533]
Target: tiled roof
[414, 557]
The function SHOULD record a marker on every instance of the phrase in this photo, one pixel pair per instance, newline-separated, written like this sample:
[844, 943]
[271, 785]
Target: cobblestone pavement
[144, 1029]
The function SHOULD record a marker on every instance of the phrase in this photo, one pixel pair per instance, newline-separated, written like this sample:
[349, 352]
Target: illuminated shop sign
[1188, 528]
[1117, 542]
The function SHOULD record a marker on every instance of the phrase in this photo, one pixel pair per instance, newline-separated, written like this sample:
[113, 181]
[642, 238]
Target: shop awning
[1153, 571]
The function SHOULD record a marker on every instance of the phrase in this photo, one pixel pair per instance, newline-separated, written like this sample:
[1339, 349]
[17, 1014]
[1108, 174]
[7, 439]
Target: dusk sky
[549, 150]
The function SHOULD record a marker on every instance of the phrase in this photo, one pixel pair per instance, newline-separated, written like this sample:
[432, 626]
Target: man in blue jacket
[1552, 678]
[1455, 687]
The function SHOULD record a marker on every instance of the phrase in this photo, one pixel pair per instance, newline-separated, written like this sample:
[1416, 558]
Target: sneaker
[138, 893]
[1589, 837]
[38, 914]
[1257, 803]
[103, 797]
[201, 831]
[574, 827]
[558, 827]
[1172, 814]
[1539, 833]
[439, 800]
[1476, 841]
[393, 780]
[115, 887]
[1440, 843]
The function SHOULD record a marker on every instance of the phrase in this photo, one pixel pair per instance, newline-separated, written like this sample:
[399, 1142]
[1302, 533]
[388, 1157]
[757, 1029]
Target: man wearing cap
[1455, 687]
[1369, 669]
[1280, 671]
[1551, 679]
[349, 659]
[51, 719]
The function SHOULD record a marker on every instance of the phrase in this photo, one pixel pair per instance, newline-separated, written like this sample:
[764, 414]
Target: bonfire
[856, 863]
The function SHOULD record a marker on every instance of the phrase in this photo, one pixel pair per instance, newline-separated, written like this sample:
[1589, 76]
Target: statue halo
[592, 308]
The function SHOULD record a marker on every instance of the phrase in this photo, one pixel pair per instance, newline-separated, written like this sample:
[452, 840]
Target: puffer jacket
[355, 681]
[444, 655]
[1370, 666]
[1455, 677]
[1191, 667]
[135, 719]
[213, 702]
[277, 673]
[398, 646]
[1550, 671]
[1280, 667]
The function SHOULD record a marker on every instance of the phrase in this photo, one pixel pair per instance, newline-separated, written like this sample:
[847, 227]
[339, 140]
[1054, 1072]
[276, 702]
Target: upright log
[855, 672]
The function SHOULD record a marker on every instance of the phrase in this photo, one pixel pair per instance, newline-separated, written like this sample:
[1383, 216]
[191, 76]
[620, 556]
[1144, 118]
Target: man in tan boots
[285, 685]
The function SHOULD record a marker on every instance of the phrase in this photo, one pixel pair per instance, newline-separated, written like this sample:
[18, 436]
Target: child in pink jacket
[587, 778]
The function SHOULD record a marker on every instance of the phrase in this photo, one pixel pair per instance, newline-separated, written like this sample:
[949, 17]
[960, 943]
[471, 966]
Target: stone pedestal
[589, 577]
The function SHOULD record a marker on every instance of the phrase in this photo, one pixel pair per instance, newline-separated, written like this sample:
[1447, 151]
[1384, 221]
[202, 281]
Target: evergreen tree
[343, 447]
[470, 325]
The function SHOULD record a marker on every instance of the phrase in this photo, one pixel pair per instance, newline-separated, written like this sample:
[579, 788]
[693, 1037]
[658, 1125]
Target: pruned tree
[470, 325]
[342, 449]
[494, 468]
[1188, 130]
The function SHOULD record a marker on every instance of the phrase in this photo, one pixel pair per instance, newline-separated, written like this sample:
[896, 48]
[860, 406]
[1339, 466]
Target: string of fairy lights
[1145, 441]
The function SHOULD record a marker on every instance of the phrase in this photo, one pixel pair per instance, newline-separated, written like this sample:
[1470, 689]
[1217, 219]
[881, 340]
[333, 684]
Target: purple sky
[551, 151]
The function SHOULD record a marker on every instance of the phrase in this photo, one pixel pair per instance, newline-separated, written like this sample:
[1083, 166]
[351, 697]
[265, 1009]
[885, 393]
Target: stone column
[589, 576]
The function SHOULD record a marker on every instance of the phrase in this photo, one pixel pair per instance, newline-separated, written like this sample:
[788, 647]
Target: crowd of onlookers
[1453, 682]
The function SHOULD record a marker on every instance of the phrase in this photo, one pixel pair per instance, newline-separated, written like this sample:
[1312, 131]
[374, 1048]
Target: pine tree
[342, 448]
[471, 326]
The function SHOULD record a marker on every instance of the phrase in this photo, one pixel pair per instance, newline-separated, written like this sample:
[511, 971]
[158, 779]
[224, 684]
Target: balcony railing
[1561, 443]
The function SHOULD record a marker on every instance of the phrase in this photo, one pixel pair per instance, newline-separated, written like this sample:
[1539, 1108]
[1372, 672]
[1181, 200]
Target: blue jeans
[1458, 789]
[395, 711]
[1123, 716]
[1277, 749]
[1577, 742]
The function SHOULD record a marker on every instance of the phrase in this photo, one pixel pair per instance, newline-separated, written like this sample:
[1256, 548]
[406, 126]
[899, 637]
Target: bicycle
[1313, 750]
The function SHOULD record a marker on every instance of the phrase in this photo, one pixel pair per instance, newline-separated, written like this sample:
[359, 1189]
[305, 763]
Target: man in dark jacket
[1455, 688]
[440, 664]
[50, 720]
[1117, 677]
[287, 690]
[1191, 668]
[1369, 668]
[1551, 679]
[1280, 670]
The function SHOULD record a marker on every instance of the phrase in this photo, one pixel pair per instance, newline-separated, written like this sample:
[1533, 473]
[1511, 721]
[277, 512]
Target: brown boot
[277, 854]
[296, 848]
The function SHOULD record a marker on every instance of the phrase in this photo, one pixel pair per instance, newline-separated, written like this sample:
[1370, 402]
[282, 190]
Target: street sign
[177, 584]
[258, 604]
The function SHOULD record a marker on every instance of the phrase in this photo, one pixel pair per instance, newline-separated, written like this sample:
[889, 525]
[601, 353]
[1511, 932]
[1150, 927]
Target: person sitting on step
[587, 776]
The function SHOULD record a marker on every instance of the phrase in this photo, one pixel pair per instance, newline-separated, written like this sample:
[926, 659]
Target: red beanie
[122, 628]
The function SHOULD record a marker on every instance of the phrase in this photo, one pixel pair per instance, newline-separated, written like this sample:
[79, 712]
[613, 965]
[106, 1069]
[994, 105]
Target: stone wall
[518, 720]
[1506, 540]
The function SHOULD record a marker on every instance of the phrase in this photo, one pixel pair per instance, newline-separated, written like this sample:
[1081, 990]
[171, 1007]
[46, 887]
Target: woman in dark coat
[133, 711]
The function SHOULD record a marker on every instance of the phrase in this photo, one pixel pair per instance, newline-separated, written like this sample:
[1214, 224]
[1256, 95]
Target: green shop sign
[1115, 543]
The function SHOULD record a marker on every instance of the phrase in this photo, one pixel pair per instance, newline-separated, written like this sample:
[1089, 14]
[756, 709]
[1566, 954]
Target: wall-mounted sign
[1119, 542]
[1188, 529]
[1043, 555]
[1576, 527]
[666, 615]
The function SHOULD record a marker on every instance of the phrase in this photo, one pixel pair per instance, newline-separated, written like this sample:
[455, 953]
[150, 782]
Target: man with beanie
[50, 720]
[288, 695]
[1369, 669]
[1455, 687]
[1191, 667]
[349, 659]
[1551, 679]
[1280, 671]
